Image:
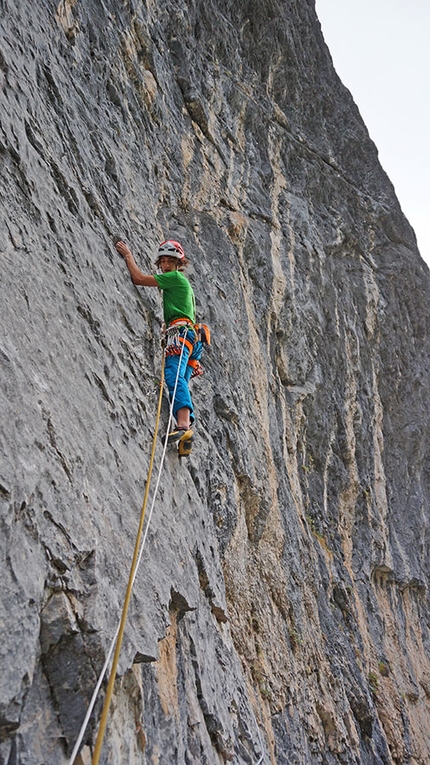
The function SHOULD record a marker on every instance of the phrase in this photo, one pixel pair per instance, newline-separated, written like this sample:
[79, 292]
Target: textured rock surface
[281, 611]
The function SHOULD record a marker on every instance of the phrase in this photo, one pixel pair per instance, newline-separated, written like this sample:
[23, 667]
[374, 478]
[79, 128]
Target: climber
[179, 317]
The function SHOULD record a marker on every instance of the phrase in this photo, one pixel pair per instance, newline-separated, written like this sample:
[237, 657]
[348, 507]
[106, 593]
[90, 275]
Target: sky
[381, 52]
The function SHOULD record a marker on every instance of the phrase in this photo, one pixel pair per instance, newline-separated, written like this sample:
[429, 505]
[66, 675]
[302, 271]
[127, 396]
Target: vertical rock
[280, 612]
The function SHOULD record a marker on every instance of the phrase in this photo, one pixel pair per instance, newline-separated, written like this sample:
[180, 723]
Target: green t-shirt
[178, 296]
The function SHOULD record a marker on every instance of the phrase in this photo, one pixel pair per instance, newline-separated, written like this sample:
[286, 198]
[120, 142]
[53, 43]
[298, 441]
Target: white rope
[257, 727]
[262, 756]
[157, 484]
[77, 746]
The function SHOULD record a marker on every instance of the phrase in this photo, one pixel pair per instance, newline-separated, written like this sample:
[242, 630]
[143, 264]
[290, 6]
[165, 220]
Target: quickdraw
[197, 368]
[174, 336]
[204, 333]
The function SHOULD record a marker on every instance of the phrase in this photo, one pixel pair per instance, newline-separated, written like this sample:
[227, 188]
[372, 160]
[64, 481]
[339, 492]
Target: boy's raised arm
[137, 277]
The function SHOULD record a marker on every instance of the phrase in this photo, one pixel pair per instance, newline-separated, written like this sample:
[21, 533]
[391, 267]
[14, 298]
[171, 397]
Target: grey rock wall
[281, 611]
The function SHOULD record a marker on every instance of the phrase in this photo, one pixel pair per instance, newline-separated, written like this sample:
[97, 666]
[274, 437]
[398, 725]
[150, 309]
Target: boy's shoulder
[171, 278]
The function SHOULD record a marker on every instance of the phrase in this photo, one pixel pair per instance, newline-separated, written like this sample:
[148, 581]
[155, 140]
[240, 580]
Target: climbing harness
[174, 341]
[137, 556]
[175, 335]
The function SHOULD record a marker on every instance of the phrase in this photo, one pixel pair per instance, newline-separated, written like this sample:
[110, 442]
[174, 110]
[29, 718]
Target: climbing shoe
[179, 434]
[184, 447]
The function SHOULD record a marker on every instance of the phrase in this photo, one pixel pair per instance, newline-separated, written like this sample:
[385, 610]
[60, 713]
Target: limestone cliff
[281, 609]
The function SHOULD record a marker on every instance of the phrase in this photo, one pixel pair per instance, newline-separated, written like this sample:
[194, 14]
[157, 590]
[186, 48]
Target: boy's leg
[183, 418]
[183, 405]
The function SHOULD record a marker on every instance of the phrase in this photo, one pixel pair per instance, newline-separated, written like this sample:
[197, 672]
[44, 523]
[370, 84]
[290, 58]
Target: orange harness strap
[187, 343]
[183, 320]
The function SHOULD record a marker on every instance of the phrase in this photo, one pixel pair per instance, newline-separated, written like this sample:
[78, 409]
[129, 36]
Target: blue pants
[182, 395]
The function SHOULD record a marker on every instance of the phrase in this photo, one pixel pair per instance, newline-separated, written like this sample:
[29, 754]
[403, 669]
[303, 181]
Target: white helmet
[172, 249]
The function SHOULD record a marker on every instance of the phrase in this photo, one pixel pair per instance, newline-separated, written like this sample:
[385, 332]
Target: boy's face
[168, 264]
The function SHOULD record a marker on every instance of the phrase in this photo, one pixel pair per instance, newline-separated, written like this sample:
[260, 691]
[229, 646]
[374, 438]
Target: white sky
[381, 52]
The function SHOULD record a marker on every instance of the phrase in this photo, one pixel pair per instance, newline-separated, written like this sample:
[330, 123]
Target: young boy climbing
[184, 347]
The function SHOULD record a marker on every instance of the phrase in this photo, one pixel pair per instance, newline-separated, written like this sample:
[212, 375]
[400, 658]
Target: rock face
[281, 610]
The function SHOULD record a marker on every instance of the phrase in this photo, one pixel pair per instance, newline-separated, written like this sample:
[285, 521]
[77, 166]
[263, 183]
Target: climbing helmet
[171, 249]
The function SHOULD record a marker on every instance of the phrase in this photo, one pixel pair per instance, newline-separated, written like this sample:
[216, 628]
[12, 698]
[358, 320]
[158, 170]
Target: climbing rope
[137, 556]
